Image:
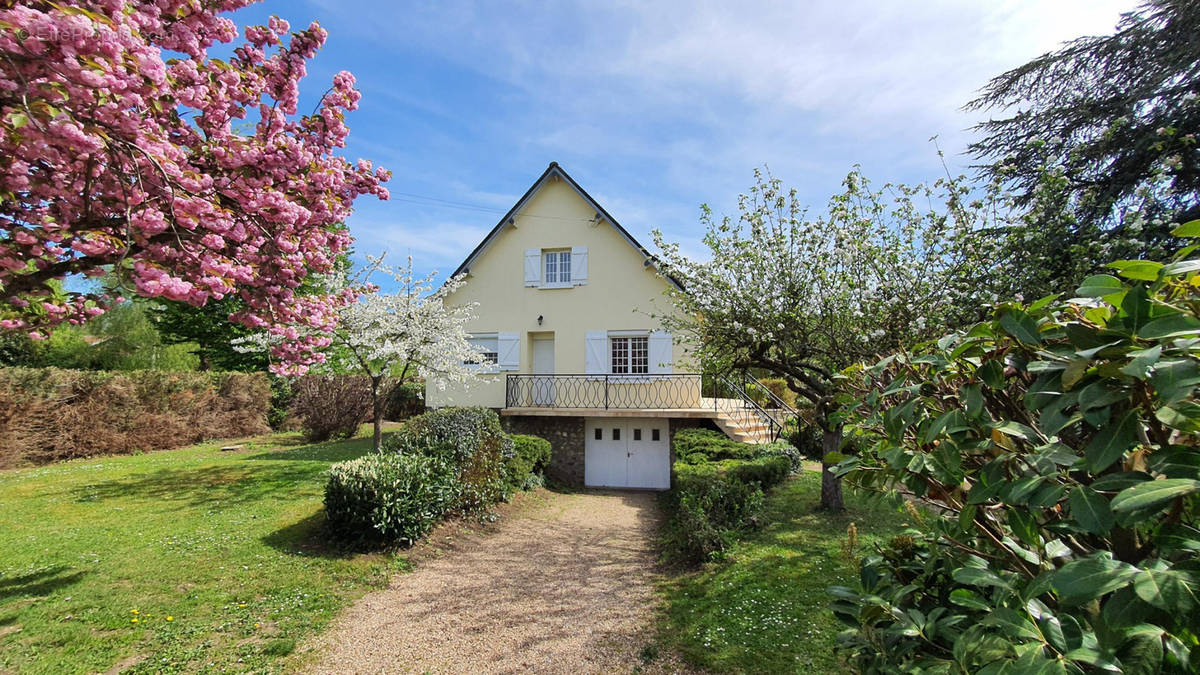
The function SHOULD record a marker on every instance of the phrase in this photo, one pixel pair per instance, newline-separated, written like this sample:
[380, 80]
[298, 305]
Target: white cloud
[658, 106]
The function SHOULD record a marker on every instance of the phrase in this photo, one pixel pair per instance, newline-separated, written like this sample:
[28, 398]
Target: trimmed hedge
[390, 497]
[712, 503]
[524, 470]
[696, 446]
[50, 414]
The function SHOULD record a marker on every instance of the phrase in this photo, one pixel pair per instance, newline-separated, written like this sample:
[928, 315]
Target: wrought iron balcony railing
[685, 391]
[594, 391]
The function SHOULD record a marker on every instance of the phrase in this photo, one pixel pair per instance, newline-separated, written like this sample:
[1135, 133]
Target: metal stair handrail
[748, 403]
[775, 398]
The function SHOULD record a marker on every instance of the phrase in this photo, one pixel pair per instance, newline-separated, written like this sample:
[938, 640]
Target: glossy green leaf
[1142, 360]
[1021, 326]
[976, 576]
[1175, 379]
[992, 373]
[1012, 624]
[1074, 372]
[1112, 441]
[1184, 415]
[1135, 308]
[1188, 229]
[1138, 270]
[969, 599]
[1085, 580]
[1168, 589]
[1171, 326]
[1099, 285]
[1091, 510]
[1153, 493]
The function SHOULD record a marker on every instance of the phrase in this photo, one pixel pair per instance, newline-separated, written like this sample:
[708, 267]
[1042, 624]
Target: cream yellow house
[565, 301]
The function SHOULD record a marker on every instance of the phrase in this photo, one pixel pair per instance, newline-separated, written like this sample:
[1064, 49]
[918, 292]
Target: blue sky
[655, 108]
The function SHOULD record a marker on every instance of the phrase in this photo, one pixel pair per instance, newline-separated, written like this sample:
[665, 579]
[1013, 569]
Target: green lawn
[185, 560]
[764, 609]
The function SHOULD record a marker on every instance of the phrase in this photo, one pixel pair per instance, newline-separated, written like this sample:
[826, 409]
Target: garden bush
[50, 414]
[805, 437]
[696, 446]
[708, 509]
[525, 469]
[331, 406]
[473, 441]
[779, 388]
[712, 501]
[784, 449]
[404, 400]
[1059, 443]
[390, 497]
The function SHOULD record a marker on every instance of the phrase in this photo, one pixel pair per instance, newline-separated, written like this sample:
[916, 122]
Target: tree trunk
[831, 485]
[377, 414]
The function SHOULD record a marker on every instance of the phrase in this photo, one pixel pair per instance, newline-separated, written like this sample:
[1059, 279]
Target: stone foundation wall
[566, 442]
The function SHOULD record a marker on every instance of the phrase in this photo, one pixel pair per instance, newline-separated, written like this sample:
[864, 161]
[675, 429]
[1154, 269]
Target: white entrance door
[543, 364]
[627, 453]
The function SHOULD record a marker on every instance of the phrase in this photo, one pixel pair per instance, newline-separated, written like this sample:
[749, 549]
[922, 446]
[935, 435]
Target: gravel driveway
[563, 585]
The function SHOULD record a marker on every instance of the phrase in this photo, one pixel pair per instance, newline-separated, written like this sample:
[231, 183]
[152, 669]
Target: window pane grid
[558, 267]
[630, 355]
[620, 356]
[639, 355]
[564, 267]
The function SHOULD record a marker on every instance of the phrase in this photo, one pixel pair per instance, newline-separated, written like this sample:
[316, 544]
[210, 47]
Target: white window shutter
[533, 266]
[579, 265]
[508, 351]
[660, 352]
[597, 352]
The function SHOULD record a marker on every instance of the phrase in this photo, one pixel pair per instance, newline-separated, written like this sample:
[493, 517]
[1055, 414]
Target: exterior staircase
[743, 425]
[741, 417]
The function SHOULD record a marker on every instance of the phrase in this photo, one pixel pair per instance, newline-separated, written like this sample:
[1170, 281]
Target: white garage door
[627, 453]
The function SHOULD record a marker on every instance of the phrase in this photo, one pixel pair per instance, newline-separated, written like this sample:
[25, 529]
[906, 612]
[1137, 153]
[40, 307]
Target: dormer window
[557, 266]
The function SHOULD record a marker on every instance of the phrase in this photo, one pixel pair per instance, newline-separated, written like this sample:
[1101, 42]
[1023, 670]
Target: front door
[627, 453]
[543, 364]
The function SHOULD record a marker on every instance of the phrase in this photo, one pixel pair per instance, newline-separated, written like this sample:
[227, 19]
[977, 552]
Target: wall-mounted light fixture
[539, 319]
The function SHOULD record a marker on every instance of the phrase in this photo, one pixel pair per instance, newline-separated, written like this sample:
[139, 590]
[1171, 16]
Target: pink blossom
[195, 209]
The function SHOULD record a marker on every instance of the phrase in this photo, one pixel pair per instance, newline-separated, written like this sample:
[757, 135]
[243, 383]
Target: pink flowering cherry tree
[125, 146]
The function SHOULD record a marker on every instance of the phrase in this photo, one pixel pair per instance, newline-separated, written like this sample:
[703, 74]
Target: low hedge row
[712, 502]
[449, 461]
[699, 446]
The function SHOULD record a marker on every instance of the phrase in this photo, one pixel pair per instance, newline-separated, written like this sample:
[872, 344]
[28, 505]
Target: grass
[764, 609]
[187, 560]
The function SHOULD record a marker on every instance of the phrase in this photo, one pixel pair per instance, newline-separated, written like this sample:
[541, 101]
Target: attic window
[557, 266]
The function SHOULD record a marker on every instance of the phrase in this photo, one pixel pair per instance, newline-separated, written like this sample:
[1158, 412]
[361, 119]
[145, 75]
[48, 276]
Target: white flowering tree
[805, 298]
[390, 337]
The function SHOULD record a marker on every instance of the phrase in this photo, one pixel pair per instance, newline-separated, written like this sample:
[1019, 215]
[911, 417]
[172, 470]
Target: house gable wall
[620, 293]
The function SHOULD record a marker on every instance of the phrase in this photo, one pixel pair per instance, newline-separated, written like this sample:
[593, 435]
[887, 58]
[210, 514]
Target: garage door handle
[629, 454]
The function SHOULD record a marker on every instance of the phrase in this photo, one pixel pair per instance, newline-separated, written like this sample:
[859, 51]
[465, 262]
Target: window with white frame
[488, 345]
[556, 266]
[629, 355]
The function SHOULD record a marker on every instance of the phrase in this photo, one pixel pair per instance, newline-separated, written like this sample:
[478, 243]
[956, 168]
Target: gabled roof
[556, 171]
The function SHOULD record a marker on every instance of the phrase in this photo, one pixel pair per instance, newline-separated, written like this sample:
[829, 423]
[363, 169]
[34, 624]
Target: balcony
[686, 395]
[605, 392]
